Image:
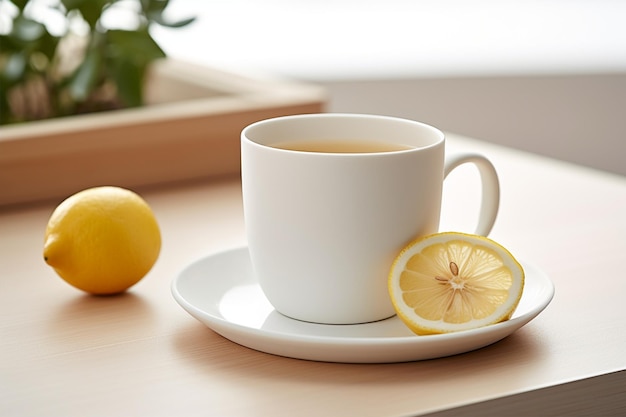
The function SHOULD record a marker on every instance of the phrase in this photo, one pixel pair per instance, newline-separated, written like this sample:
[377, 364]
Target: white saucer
[222, 292]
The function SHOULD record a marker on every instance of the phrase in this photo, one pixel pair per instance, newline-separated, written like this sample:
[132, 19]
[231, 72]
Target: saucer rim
[226, 328]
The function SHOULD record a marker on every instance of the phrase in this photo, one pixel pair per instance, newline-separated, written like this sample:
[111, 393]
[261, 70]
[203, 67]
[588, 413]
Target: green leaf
[153, 10]
[20, 4]
[9, 44]
[134, 46]
[128, 78]
[47, 45]
[91, 10]
[86, 76]
[5, 110]
[72, 4]
[158, 18]
[149, 6]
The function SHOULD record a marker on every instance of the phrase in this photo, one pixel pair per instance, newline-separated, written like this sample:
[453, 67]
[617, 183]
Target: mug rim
[437, 134]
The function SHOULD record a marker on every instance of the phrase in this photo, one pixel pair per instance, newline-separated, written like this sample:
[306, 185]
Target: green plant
[63, 57]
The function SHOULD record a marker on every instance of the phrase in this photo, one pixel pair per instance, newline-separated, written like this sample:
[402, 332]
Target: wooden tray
[190, 129]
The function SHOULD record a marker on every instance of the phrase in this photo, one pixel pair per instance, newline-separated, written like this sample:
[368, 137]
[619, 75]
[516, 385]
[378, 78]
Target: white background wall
[578, 118]
[545, 76]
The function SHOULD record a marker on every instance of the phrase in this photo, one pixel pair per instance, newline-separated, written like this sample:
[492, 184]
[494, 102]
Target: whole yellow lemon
[102, 240]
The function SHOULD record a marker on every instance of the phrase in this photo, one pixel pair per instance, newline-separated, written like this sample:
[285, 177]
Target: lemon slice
[451, 281]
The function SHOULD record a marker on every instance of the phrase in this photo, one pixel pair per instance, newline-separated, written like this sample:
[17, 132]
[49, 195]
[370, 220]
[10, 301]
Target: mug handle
[490, 188]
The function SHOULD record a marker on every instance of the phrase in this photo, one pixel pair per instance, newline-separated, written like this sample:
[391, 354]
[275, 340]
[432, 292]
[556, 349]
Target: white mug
[324, 222]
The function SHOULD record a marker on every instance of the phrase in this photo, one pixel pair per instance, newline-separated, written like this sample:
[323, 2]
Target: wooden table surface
[63, 353]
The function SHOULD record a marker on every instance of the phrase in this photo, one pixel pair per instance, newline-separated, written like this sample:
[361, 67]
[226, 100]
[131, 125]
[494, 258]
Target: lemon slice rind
[440, 287]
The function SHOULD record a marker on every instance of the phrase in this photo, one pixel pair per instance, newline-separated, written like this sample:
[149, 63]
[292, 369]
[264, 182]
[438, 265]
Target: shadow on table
[90, 321]
[203, 349]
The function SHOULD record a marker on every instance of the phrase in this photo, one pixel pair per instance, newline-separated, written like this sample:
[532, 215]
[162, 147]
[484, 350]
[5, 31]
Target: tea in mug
[340, 146]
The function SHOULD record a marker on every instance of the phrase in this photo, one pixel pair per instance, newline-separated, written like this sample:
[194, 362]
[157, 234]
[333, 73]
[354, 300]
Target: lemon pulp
[452, 281]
